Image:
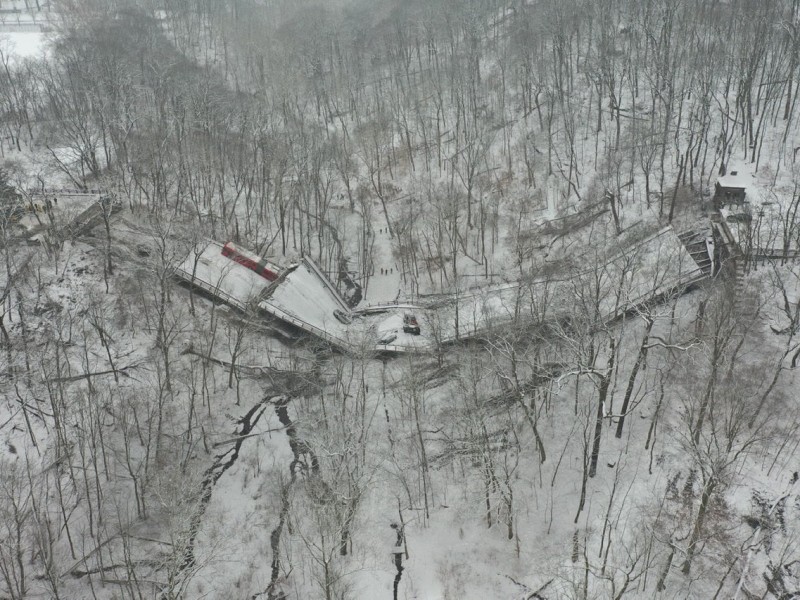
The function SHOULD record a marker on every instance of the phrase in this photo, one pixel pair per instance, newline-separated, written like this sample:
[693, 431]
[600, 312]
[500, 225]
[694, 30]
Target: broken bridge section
[646, 272]
[624, 279]
[699, 242]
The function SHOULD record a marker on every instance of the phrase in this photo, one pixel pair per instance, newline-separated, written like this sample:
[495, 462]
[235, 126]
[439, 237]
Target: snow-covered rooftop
[734, 180]
[739, 175]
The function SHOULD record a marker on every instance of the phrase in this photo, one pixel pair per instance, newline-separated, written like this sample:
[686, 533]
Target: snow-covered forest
[589, 206]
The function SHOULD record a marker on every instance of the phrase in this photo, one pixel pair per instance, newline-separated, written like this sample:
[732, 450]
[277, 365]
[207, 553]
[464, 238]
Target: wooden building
[730, 190]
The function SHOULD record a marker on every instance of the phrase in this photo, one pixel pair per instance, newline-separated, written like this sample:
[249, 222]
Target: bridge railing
[270, 308]
[210, 288]
[312, 266]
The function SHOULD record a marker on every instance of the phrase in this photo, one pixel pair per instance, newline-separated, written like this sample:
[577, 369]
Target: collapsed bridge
[303, 296]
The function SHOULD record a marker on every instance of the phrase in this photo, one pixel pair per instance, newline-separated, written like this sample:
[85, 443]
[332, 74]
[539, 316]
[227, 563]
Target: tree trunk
[605, 383]
[708, 489]
[642, 356]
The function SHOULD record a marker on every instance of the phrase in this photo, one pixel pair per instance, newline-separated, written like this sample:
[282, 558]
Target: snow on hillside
[589, 410]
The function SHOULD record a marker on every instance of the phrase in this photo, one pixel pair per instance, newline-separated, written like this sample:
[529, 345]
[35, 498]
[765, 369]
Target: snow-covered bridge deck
[304, 297]
[301, 296]
[224, 279]
[649, 270]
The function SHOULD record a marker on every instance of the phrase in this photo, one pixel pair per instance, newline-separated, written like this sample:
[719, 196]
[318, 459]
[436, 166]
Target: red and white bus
[252, 261]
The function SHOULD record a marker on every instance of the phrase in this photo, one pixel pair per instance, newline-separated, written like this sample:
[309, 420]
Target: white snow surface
[18, 45]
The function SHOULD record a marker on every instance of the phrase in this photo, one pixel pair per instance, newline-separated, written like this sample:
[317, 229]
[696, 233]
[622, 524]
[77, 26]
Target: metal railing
[386, 306]
[214, 290]
[312, 266]
[270, 308]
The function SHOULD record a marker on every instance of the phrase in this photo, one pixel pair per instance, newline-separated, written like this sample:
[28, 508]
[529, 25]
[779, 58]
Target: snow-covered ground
[448, 444]
[19, 45]
[59, 209]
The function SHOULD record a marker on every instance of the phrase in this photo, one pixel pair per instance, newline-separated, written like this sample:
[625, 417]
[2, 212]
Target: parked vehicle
[342, 316]
[252, 261]
[387, 339]
[410, 324]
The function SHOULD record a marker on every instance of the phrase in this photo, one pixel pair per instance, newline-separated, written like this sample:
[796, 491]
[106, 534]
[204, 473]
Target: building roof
[735, 179]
